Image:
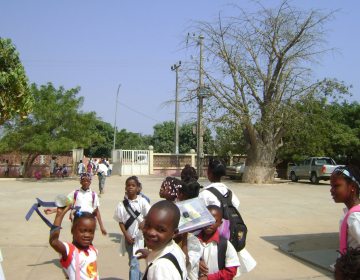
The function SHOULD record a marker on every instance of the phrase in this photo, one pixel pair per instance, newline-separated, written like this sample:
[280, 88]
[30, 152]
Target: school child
[217, 169]
[188, 242]
[140, 192]
[7, 169]
[166, 260]
[59, 173]
[344, 183]
[81, 167]
[219, 259]
[89, 167]
[86, 199]
[129, 214]
[79, 258]
[21, 169]
[189, 171]
[65, 170]
[347, 266]
[168, 188]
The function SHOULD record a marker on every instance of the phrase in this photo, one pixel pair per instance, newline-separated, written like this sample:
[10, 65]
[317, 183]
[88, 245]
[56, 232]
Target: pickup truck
[313, 168]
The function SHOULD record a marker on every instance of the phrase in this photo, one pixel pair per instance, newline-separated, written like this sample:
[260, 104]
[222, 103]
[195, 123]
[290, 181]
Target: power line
[139, 112]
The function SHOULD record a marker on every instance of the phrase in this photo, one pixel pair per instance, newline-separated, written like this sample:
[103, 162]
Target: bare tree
[260, 67]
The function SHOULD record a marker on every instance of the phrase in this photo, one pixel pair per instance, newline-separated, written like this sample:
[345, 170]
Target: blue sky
[98, 45]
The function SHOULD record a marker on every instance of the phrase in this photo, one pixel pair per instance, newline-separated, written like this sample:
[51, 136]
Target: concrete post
[192, 151]
[151, 160]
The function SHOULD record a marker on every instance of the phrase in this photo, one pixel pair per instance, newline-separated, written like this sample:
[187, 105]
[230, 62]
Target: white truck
[314, 169]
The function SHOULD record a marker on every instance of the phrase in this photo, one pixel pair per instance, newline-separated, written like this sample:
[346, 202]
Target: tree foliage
[55, 125]
[127, 140]
[15, 96]
[260, 71]
[102, 146]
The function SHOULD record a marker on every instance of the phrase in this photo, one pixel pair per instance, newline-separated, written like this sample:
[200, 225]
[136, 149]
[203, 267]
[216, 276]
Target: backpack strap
[133, 214]
[344, 228]
[93, 197]
[225, 200]
[222, 247]
[169, 257]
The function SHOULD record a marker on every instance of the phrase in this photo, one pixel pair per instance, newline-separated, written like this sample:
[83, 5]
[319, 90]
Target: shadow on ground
[56, 262]
[116, 237]
[319, 250]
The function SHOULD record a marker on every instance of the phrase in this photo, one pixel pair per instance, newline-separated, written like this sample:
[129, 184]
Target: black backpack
[238, 229]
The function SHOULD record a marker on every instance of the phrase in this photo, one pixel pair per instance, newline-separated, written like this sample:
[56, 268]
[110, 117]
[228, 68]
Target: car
[236, 170]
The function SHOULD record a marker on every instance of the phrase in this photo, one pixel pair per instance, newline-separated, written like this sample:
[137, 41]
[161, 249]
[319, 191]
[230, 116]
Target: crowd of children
[205, 254]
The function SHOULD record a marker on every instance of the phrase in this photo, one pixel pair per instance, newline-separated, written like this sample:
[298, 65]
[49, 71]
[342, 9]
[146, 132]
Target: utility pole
[117, 95]
[200, 148]
[175, 68]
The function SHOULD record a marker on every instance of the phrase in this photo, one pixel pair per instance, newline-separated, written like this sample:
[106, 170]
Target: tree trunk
[259, 163]
[28, 163]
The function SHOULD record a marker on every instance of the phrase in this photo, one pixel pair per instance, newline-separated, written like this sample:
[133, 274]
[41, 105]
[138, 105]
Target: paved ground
[301, 218]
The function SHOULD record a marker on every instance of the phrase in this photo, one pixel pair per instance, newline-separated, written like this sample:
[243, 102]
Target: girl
[168, 189]
[188, 242]
[189, 171]
[217, 169]
[344, 183]
[78, 258]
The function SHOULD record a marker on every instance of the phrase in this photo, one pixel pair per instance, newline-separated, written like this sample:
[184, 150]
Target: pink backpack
[344, 227]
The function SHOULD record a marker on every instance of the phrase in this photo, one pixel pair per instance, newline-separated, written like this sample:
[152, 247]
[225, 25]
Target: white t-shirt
[81, 168]
[102, 168]
[164, 269]
[353, 233]
[139, 204]
[209, 199]
[87, 261]
[84, 199]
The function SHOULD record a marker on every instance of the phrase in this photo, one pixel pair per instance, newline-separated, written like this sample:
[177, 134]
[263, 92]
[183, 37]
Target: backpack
[75, 196]
[169, 257]
[238, 229]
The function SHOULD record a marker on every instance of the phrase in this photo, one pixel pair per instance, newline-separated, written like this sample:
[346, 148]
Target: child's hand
[141, 225]
[130, 240]
[203, 268]
[103, 231]
[49, 211]
[144, 253]
[61, 211]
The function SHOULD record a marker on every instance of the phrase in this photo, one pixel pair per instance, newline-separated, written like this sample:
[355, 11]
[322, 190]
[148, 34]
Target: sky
[98, 45]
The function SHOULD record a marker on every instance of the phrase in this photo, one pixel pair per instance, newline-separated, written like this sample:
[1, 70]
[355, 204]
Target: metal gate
[132, 162]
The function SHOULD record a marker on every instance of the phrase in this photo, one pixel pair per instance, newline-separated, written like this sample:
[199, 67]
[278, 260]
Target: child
[188, 242]
[21, 169]
[344, 183]
[140, 192]
[137, 206]
[212, 265]
[81, 167]
[168, 189]
[189, 171]
[78, 258]
[89, 167]
[7, 169]
[65, 170]
[347, 266]
[217, 169]
[166, 260]
[86, 199]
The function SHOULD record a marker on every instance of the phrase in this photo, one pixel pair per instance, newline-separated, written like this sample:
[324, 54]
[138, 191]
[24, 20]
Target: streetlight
[175, 68]
[115, 115]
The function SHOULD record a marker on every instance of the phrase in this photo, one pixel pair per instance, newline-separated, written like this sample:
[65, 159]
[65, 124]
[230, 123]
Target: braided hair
[189, 171]
[136, 179]
[85, 175]
[348, 264]
[217, 167]
[349, 173]
[190, 187]
[78, 215]
[172, 183]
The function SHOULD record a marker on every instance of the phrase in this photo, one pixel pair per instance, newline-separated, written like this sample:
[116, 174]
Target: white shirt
[210, 256]
[210, 199]
[121, 216]
[102, 168]
[353, 232]
[164, 269]
[88, 264]
[81, 168]
[84, 199]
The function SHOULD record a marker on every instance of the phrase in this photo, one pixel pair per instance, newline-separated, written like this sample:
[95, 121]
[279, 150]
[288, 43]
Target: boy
[86, 199]
[210, 260]
[129, 214]
[166, 261]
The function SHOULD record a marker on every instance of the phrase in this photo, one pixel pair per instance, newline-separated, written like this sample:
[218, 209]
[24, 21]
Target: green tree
[100, 147]
[15, 96]
[260, 70]
[56, 125]
[127, 140]
[229, 140]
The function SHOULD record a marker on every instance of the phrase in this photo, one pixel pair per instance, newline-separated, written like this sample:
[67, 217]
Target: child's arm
[128, 238]
[184, 246]
[103, 231]
[226, 273]
[54, 241]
